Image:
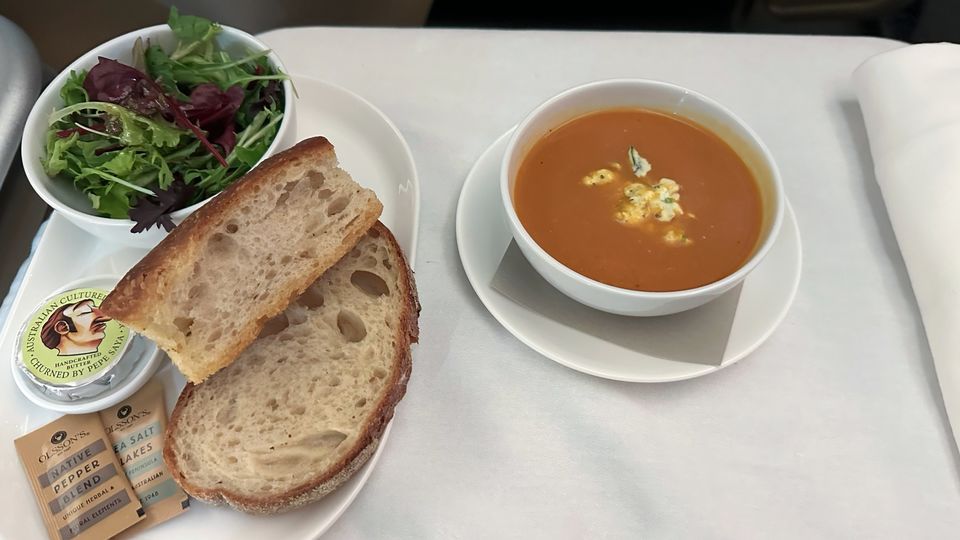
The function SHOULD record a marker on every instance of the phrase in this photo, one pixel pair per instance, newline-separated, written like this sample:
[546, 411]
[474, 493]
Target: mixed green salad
[171, 130]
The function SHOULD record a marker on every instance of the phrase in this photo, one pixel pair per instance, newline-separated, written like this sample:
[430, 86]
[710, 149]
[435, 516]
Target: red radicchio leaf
[182, 120]
[209, 105]
[227, 138]
[213, 110]
[269, 94]
[113, 82]
[149, 211]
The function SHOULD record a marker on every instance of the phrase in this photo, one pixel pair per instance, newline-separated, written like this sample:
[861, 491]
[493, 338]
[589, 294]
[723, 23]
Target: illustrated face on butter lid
[71, 357]
[69, 342]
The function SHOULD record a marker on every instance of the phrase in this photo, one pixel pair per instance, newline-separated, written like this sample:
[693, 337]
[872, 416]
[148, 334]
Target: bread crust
[138, 292]
[364, 447]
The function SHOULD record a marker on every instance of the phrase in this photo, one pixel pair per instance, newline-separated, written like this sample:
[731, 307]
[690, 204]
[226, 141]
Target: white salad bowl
[60, 193]
[663, 97]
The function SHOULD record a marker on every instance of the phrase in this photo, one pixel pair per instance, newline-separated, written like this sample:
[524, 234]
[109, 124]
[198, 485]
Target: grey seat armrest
[20, 77]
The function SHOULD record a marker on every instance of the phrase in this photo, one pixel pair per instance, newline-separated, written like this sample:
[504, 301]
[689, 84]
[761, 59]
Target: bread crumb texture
[297, 401]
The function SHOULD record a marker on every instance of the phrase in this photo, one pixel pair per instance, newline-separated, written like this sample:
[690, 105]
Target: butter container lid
[72, 358]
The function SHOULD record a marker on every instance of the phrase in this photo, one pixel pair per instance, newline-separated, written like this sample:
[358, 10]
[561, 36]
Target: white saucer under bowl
[483, 236]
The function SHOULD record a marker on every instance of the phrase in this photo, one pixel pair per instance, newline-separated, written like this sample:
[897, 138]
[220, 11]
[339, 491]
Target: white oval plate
[483, 236]
[375, 153]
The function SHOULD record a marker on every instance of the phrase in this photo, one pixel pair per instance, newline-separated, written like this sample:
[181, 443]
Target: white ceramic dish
[483, 236]
[74, 205]
[145, 367]
[670, 99]
[375, 153]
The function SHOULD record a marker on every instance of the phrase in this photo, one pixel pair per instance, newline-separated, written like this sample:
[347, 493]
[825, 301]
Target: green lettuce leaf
[135, 129]
[55, 160]
[193, 32]
[114, 201]
[72, 91]
[121, 163]
[161, 68]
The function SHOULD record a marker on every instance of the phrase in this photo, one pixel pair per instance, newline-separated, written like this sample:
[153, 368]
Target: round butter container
[70, 357]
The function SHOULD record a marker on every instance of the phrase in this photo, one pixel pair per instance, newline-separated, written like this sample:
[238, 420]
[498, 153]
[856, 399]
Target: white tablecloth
[832, 429]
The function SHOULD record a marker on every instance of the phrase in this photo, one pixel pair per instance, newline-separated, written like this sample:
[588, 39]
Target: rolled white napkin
[910, 99]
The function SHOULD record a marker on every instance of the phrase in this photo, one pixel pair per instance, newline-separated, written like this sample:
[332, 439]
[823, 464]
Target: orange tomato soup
[640, 200]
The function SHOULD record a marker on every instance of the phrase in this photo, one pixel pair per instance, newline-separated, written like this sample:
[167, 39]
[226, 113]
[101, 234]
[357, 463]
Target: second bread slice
[204, 293]
[306, 405]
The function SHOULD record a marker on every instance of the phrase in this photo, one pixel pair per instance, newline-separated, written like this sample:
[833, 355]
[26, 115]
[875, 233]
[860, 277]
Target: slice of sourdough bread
[306, 404]
[204, 293]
